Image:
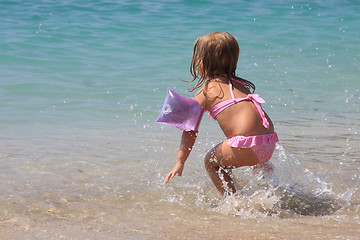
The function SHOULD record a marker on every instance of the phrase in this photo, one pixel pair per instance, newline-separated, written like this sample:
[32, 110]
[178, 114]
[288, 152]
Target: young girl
[250, 132]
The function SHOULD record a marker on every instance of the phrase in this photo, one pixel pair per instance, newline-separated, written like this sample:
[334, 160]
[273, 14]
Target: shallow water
[82, 84]
[77, 187]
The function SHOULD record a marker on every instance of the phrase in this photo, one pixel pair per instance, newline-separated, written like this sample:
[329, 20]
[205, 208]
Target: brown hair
[215, 54]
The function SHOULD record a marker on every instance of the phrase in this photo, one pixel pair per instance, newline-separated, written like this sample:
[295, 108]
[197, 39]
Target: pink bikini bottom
[262, 145]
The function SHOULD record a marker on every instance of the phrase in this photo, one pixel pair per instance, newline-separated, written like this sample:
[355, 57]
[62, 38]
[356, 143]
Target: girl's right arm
[187, 142]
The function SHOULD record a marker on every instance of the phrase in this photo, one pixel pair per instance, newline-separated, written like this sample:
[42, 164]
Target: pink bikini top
[255, 98]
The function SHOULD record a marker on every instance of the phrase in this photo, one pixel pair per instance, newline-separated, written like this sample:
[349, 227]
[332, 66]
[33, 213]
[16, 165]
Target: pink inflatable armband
[180, 112]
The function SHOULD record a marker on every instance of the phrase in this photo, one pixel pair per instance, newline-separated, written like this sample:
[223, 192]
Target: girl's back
[241, 118]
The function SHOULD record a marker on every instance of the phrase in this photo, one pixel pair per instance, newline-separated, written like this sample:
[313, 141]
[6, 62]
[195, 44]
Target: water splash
[282, 188]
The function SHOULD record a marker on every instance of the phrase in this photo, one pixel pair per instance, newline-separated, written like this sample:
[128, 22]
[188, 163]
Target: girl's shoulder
[208, 94]
[200, 98]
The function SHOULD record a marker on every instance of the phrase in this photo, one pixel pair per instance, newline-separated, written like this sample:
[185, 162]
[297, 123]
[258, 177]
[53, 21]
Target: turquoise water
[82, 83]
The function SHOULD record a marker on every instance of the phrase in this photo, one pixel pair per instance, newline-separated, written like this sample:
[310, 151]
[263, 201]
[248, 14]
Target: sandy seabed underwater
[83, 83]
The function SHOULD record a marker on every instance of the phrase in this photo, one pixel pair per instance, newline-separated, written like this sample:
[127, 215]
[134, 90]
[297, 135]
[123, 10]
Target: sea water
[82, 83]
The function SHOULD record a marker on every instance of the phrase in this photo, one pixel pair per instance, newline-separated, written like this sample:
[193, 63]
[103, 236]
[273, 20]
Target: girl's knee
[210, 160]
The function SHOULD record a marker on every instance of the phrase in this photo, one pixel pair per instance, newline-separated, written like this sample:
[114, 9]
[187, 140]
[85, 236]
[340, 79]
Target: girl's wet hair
[215, 54]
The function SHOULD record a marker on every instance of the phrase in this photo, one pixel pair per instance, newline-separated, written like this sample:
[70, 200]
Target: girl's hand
[178, 168]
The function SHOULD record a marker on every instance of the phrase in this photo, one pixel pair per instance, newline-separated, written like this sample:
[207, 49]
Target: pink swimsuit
[262, 145]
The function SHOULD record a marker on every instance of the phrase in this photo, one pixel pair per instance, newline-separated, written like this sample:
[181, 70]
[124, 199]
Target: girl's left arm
[187, 142]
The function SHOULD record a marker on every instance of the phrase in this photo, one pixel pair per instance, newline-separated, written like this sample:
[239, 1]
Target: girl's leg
[221, 159]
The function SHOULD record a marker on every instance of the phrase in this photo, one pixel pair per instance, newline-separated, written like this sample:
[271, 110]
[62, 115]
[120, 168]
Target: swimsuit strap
[256, 99]
[238, 81]
[231, 91]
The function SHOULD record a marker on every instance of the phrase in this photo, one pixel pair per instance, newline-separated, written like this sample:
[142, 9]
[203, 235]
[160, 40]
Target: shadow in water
[306, 195]
[306, 204]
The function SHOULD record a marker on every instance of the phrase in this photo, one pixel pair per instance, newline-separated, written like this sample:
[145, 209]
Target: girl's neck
[225, 78]
[222, 77]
